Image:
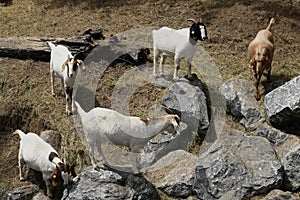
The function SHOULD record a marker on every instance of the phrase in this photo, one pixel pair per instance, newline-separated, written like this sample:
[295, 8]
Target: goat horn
[192, 20]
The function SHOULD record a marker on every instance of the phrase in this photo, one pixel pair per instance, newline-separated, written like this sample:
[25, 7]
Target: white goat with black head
[178, 43]
[41, 156]
[65, 66]
[102, 125]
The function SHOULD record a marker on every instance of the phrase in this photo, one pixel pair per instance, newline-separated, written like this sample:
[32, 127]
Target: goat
[261, 51]
[42, 157]
[102, 125]
[64, 65]
[178, 43]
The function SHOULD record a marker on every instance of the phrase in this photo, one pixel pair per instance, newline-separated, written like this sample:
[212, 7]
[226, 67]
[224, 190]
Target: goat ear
[81, 64]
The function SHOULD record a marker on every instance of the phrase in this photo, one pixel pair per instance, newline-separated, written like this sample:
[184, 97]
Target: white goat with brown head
[65, 66]
[41, 156]
[261, 51]
[102, 125]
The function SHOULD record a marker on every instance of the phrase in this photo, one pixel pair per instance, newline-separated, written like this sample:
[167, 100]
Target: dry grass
[25, 85]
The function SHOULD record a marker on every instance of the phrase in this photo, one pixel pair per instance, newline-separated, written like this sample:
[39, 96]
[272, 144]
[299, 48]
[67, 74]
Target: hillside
[25, 99]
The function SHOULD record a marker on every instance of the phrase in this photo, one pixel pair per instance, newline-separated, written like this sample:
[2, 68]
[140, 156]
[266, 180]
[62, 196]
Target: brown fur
[261, 51]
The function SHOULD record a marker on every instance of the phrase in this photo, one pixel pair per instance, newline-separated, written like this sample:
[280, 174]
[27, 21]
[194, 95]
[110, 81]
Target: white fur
[171, 42]
[103, 125]
[34, 151]
[59, 55]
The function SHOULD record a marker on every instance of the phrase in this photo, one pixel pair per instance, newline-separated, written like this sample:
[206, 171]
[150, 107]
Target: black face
[198, 31]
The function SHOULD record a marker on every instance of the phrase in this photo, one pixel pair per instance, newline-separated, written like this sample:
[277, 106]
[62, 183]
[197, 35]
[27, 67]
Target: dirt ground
[25, 97]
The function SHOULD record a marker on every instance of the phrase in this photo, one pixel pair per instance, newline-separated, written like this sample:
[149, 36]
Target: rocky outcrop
[174, 174]
[190, 102]
[241, 103]
[283, 104]
[287, 148]
[247, 165]
[110, 184]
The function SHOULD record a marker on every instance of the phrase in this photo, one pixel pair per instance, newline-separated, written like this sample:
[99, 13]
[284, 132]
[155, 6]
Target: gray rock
[241, 102]
[108, 184]
[245, 164]
[283, 104]
[190, 101]
[23, 193]
[280, 195]
[53, 138]
[287, 148]
[174, 174]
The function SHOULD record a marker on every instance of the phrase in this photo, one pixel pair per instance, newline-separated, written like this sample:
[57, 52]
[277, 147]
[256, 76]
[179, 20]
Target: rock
[165, 143]
[287, 148]
[23, 193]
[189, 101]
[241, 102]
[283, 104]
[247, 165]
[108, 184]
[280, 195]
[53, 138]
[174, 174]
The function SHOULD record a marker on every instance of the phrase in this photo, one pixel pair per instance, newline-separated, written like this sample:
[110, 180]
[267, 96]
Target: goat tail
[21, 133]
[80, 111]
[272, 21]
[51, 45]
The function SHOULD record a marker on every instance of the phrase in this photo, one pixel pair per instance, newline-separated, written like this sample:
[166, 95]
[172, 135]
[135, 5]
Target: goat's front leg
[99, 148]
[155, 59]
[189, 69]
[91, 145]
[177, 65]
[256, 83]
[68, 93]
[161, 67]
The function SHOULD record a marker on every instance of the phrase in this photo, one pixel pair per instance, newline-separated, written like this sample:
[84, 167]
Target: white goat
[40, 156]
[178, 43]
[64, 65]
[103, 125]
[261, 51]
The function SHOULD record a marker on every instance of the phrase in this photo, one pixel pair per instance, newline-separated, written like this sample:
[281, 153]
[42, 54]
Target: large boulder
[241, 103]
[174, 174]
[283, 104]
[189, 100]
[287, 148]
[244, 165]
[108, 184]
[23, 193]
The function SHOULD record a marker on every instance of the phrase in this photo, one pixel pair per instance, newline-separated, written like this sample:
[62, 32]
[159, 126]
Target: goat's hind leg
[21, 164]
[134, 157]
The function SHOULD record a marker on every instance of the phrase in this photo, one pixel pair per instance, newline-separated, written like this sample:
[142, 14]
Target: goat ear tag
[54, 176]
[193, 32]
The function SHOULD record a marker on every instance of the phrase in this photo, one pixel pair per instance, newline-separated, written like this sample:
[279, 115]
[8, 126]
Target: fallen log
[38, 49]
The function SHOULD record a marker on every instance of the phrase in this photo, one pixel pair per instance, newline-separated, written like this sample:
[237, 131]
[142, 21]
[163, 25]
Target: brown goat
[261, 51]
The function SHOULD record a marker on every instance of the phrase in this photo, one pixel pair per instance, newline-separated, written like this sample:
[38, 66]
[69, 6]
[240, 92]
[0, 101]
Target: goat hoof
[22, 179]
[69, 112]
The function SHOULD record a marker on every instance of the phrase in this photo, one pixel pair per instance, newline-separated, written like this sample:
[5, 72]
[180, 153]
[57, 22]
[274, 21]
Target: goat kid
[65, 66]
[103, 125]
[178, 43]
[42, 157]
[261, 51]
